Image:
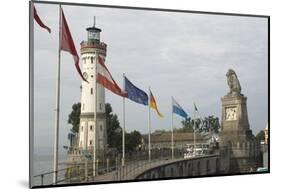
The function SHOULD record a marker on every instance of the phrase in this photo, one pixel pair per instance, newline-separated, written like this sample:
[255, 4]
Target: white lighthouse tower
[92, 130]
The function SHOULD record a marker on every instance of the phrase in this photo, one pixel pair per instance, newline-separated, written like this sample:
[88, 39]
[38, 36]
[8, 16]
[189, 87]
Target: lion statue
[233, 82]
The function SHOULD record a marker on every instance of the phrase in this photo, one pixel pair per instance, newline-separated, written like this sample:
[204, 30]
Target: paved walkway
[132, 170]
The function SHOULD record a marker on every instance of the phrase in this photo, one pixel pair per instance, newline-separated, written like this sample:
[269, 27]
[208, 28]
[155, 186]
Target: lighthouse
[92, 128]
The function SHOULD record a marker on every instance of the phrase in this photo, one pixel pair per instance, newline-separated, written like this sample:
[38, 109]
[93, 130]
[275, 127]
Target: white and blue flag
[177, 109]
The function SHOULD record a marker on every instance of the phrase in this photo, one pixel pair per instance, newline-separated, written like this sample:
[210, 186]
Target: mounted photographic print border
[151, 94]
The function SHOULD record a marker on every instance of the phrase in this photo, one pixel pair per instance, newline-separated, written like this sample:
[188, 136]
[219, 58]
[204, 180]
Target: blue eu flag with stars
[134, 93]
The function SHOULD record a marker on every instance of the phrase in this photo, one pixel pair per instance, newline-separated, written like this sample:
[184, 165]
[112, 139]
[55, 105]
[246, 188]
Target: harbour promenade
[134, 170]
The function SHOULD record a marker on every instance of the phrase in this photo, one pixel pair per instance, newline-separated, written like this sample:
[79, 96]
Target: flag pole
[86, 152]
[194, 134]
[95, 130]
[149, 127]
[123, 130]
[31, 92]
[57, 110]
[172, 131]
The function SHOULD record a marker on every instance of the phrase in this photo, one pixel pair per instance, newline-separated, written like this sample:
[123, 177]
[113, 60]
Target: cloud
[177, 54]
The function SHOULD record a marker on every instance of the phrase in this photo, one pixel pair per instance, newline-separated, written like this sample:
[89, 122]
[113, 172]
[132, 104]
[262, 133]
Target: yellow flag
[152, 104]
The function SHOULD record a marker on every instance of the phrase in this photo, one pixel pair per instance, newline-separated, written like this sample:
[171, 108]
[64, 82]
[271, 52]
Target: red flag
[67, 44]
[105, 79]
[39, 21]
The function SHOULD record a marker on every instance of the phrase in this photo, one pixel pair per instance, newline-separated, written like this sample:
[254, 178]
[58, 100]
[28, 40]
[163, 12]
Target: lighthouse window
[100, 127]
[91, 90]
[92, 60]
[91, 127]
[91, 142]
[92, 76]
[100, 106]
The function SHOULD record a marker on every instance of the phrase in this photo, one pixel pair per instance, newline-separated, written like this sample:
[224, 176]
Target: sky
[184, 55]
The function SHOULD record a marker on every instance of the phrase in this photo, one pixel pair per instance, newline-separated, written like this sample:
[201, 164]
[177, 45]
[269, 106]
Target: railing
[135, 164]
[85, 44]
[138, 162]
[130, 172]
[47, 177]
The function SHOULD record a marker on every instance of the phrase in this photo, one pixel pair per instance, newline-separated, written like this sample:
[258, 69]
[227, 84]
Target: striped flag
[67, 44]
[39, 21]
[105, 78]
[177, 109]
[195, 107]
[153, 104]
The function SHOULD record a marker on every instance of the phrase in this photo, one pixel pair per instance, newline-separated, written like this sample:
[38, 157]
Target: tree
[187, 125]
[132, 141]
[260, 136]
[198, 124]
[114, 131]
[112, 123]
[160, 131]
[74, 117]
[208, 124]
[211, 124]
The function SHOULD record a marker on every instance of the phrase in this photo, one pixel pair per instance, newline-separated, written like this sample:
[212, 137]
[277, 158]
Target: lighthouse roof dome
[93, 28]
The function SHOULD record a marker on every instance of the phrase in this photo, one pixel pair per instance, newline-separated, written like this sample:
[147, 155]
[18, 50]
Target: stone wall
[197, 166]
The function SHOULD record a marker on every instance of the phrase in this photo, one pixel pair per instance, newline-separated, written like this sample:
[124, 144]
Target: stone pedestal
[237, 136]
[235, 124]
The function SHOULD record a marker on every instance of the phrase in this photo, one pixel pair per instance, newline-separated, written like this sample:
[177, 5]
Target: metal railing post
[57, 176]
[120, 173]
[97, 167]
[107, 165]
[42, 178]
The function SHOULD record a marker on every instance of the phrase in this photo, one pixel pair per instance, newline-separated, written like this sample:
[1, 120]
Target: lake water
[43, 163]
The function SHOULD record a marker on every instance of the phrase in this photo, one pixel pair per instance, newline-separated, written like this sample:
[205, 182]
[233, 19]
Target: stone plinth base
[236, 135]
[244, 165]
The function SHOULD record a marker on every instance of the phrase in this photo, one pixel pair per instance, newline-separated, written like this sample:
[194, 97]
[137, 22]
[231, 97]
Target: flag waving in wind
[177, 109]
[195, 108]
[105, 79]
[39, 21]
[67, 44]
[134, 93]
[152, 104]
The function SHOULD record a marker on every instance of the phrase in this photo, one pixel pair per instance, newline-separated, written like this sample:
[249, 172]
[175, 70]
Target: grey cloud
[179, 54]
